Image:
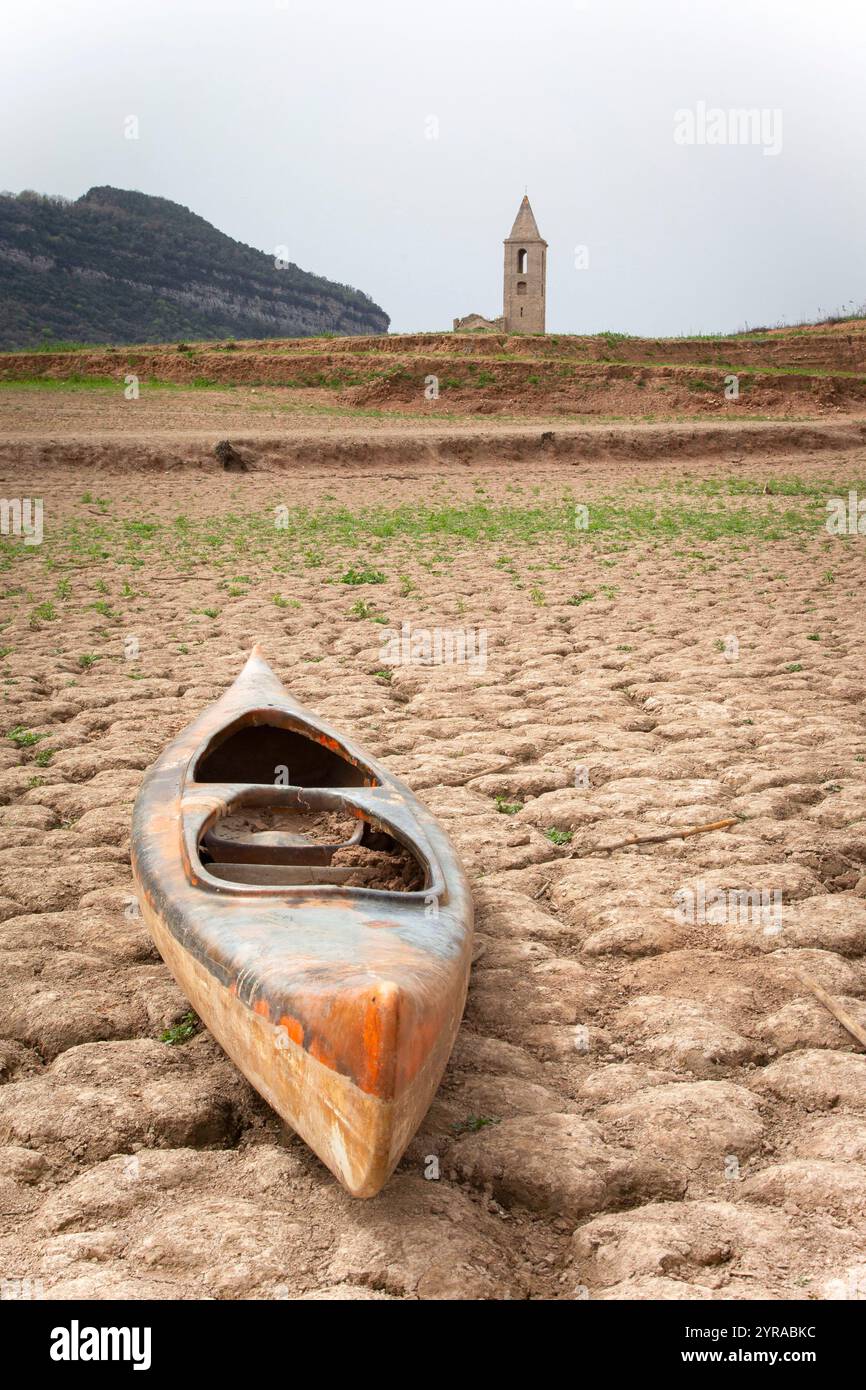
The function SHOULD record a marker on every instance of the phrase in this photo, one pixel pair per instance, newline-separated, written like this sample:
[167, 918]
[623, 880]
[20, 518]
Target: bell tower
[525, 274]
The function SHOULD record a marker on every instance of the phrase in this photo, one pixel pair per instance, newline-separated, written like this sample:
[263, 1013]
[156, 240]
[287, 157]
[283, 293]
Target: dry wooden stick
[839, 1012]
[488, 772]
[667, 835]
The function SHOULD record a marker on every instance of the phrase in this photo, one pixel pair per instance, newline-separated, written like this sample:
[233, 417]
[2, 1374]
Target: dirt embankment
[391, 452]
[800, 374]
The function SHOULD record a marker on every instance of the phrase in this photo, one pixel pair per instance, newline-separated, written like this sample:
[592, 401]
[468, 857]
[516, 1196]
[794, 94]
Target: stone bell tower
[525, 274]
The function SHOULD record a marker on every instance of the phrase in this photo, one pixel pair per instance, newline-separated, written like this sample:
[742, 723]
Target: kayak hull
[339, 1004]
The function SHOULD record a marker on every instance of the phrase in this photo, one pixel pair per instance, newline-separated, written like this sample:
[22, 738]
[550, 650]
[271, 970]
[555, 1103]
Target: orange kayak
[315, 915]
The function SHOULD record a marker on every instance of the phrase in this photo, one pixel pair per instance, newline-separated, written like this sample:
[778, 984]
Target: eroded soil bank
[818, 370]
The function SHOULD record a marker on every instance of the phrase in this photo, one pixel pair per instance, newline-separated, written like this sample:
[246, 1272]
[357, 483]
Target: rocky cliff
[117, 266]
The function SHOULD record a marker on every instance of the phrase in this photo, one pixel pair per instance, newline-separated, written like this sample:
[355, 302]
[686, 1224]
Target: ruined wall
[473, 322]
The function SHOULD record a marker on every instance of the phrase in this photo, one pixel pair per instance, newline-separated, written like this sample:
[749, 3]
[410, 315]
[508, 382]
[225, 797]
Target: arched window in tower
[522, 262]
[521, 287]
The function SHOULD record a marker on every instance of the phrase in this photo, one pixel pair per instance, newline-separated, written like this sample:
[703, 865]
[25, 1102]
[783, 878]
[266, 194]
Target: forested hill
[122, 267]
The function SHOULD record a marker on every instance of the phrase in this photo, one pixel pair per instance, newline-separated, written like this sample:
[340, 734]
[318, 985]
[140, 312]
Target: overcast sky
[387, 143]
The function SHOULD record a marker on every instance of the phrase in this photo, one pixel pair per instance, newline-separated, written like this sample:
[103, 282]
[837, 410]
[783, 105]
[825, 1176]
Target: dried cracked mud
[642, 1103]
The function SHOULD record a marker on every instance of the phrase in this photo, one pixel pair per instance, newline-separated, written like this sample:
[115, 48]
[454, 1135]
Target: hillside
[117, 266]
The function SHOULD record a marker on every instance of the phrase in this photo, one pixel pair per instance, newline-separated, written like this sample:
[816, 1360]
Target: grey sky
[305, 123]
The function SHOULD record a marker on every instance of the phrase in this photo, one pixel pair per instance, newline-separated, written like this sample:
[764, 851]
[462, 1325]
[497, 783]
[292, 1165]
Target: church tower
[525, 274]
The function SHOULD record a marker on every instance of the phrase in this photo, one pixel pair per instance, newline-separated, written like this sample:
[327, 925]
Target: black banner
[259, 1338]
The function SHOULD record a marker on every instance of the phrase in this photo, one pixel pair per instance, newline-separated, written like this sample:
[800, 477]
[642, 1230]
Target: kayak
[315, 915]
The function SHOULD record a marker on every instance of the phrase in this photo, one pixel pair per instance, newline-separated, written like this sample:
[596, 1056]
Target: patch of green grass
[436, 530]
[23, 738]
[507, 808]
[362, 574]
[87, 659]
[559, 837]
[612, 338]
[473, 1123]
[817, 490]
[43, 757]
[64, 345]
[182, 1031]
[794, 666]
[362, 608]
[699, 384]
[79, 381]
[145, 529]
[76, 381]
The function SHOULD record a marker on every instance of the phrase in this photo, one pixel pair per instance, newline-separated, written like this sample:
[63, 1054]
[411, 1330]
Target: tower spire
[525, 226]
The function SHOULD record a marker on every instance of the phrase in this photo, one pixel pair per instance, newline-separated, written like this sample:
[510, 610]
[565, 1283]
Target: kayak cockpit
[288, 837]
[272, 748]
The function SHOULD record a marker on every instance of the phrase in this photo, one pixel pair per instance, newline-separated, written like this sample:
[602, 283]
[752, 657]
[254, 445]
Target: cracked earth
[640, 1105]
